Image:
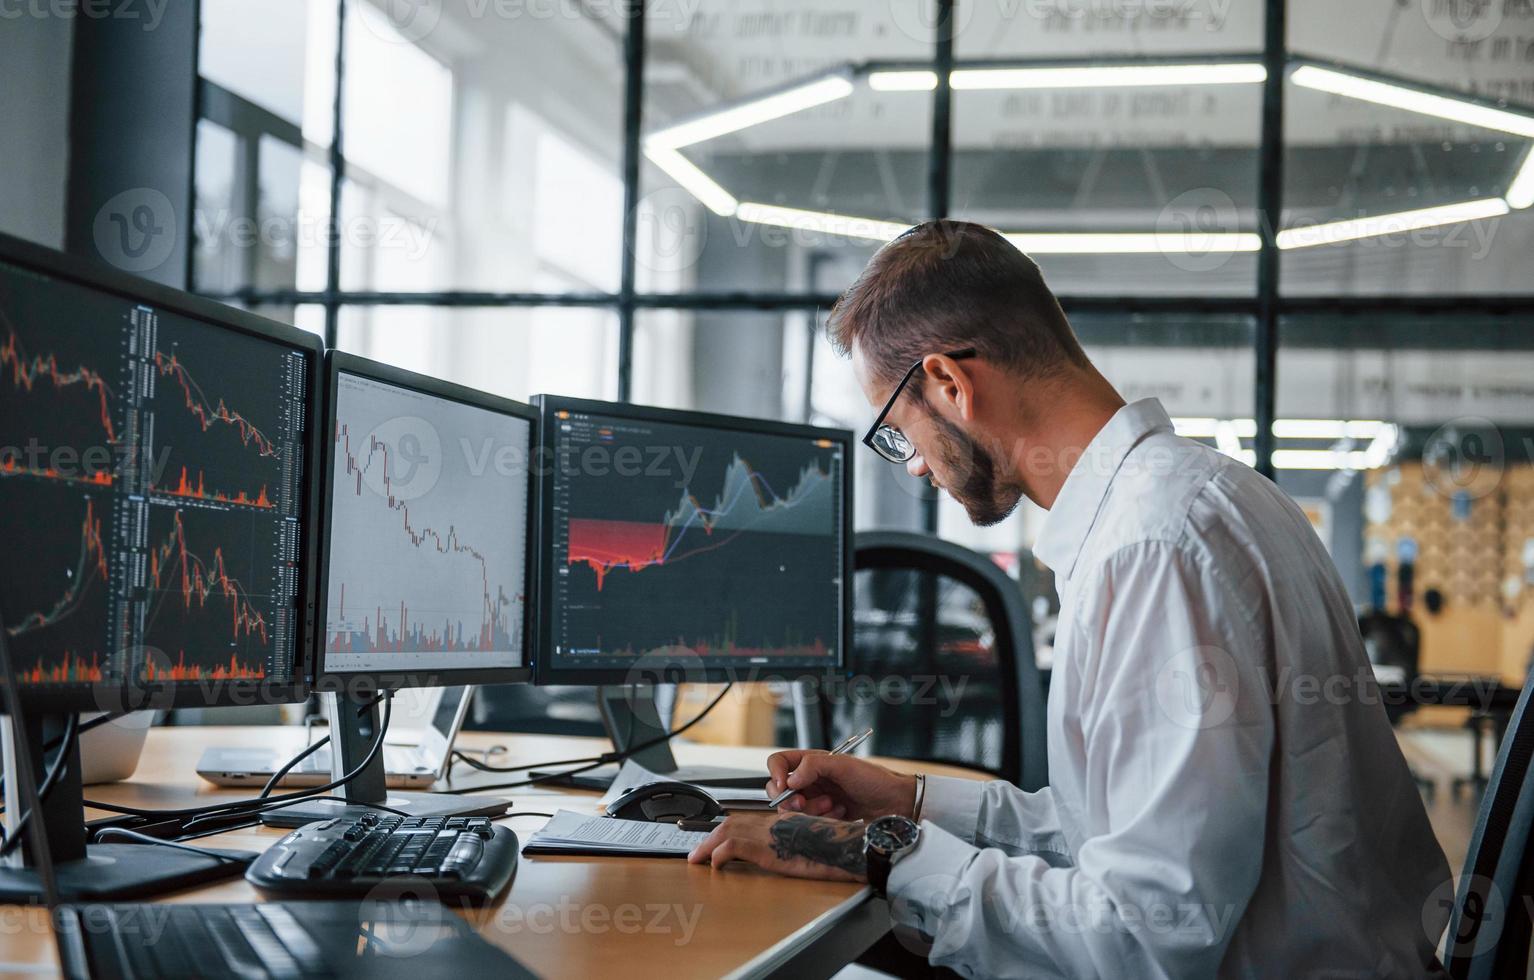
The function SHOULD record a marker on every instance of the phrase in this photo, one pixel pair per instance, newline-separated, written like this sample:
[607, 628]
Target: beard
[984, 496]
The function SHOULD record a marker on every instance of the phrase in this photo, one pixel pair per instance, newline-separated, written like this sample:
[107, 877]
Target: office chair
[942, 665]
[1395, 643]
[536, 710]
[1489, 929]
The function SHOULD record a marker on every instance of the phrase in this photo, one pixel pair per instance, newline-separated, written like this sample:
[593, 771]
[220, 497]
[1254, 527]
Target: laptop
[416, 764]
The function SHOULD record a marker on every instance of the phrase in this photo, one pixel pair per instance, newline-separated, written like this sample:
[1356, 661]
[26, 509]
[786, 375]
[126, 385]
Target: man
[1227, 798]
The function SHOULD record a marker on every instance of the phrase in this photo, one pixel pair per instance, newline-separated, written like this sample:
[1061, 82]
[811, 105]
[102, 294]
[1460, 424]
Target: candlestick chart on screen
[427, 535]
[733, 552]
[149, 463]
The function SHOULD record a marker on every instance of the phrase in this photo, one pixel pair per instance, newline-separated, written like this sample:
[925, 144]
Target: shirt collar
[1081, 496]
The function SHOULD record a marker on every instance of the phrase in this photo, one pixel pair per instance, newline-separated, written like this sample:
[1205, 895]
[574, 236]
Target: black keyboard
[413, 940]
[451, 857]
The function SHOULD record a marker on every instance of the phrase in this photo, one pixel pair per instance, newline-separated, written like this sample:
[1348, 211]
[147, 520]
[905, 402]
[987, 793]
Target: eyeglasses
[888, 441]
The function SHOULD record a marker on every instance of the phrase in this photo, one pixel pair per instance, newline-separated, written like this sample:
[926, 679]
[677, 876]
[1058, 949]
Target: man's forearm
[834, 843]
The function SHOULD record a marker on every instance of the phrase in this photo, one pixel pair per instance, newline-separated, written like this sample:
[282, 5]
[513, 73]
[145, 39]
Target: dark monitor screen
[428, 530]
[154, 459]
[717, 544]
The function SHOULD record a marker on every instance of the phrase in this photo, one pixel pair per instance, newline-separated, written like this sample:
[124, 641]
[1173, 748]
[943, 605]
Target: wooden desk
[562, 916]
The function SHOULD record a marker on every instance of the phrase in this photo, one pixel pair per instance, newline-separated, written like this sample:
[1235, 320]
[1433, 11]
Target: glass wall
[479, 183]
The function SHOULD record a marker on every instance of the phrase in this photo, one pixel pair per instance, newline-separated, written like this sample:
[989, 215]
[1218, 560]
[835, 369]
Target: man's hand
[839, 786]
[790, 844]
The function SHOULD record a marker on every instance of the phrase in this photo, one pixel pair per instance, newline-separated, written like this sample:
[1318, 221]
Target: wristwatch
[886, 841]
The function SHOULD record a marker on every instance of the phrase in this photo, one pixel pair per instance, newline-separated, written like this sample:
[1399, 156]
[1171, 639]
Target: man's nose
[917, 466]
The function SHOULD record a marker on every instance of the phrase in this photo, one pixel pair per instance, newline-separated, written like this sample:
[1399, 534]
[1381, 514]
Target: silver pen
[847, 745]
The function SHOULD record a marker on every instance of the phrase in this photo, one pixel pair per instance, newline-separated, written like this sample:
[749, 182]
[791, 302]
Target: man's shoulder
[1189, 500]
[1152, 494]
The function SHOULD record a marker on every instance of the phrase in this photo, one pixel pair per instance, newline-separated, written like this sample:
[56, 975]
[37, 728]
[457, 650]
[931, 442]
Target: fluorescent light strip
[869, 229]
[1520, 193]
[1400, 97]
[1387, 224]
[1133, 243]
[694, 181]
[1383, 446]
[1326, 428]
[753, 113]
[1317, 459]
[1107, 76]
[902, 81]
[1226, 440]
[1195, 428]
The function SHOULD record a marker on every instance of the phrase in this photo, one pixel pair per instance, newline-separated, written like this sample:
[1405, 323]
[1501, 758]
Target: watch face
[892, 834]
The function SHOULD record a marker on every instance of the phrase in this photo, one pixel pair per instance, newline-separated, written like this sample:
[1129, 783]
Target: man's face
[947, 454]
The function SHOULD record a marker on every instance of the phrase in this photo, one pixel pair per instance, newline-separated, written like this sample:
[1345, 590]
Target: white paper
[618, 836]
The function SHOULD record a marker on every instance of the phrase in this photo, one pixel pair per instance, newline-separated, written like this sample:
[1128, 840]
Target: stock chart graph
[151, 466]
[428, 535]
[725, 543]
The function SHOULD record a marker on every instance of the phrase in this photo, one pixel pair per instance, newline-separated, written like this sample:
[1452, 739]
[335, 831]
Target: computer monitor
[156, 461]
[428, 528]
[686, 546]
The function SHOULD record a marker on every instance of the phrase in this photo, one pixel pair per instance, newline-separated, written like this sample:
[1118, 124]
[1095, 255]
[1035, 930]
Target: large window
[1200, 199]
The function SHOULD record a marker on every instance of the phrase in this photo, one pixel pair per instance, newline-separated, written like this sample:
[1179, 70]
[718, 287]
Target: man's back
[1348, 859]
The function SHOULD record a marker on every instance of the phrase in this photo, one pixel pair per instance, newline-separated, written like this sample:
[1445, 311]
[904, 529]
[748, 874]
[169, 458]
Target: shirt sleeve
[1176, 736]
[995, 813]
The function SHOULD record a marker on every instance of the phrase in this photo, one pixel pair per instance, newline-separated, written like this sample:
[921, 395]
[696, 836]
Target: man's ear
[950, 385]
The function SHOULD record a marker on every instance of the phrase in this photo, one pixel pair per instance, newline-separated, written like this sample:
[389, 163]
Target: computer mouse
[665, 802]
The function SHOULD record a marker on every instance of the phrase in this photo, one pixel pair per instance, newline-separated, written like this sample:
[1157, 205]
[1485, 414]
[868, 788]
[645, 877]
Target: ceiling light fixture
[1370, 226]
[753, 112]
[1107, 76]
[1412, 100]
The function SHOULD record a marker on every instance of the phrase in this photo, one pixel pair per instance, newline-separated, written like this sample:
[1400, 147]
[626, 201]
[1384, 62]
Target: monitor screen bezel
[544, 671]
[230, 693]
[336, 364]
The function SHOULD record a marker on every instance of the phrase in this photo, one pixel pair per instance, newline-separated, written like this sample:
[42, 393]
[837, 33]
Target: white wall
[34, 127]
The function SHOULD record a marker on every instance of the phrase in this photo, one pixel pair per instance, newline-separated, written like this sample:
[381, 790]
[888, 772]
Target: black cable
[271, 784]
[617, 755]
[54, 742]
[146, 839]
[258, 805]
[268, 808]
[596, 761]
[533, 780]
[50, 779]
[267, 804]
[485, 767]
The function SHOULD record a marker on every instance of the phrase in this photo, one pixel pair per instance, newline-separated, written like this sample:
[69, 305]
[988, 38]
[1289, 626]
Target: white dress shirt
[1226, 797]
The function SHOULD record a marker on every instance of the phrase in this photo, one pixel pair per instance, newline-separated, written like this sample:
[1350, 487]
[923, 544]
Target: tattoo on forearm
[833, 842]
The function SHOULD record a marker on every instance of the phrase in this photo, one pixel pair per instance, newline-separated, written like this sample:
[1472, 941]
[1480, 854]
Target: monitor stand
[631, 717]
[85, 871]
[353, 728]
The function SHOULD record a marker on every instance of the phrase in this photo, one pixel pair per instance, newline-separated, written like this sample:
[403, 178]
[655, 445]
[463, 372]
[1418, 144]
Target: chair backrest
[942, 665]
[1392, 641]
[540, 710]
[1489, 929]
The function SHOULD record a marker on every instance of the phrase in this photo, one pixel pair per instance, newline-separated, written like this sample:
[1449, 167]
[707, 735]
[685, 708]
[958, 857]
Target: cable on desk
[50, 779]
[258, 805]
[54, 743]
[248, 817]
[313, 747]
[146, 839]
[287, 767]
[595, 761]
